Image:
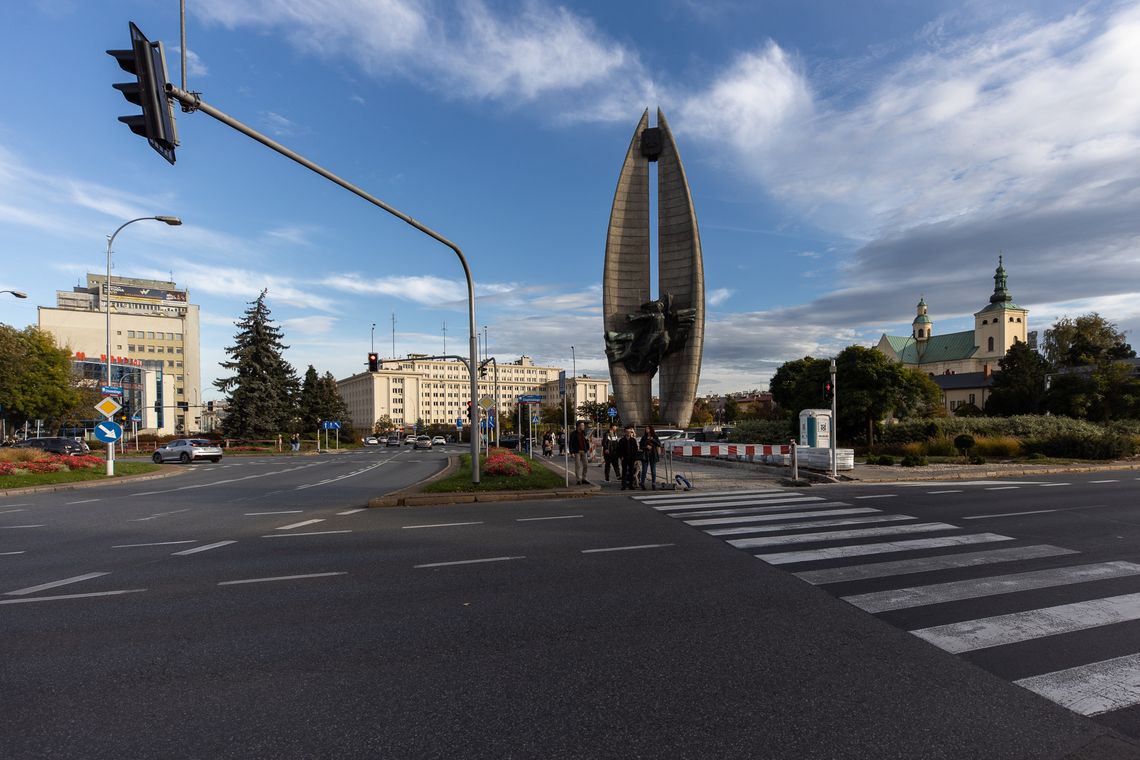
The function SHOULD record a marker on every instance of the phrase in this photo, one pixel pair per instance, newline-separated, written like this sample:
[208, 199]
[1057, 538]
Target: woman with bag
[650, 446]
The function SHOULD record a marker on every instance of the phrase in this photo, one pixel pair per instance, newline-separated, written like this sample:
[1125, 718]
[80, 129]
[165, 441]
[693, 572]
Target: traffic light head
[147, 61]
[828, 391]
[373, 362]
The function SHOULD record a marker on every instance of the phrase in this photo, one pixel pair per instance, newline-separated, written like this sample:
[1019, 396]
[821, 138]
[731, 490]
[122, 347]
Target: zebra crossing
[834, 544]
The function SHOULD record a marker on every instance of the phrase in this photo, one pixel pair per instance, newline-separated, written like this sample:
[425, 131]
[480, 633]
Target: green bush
[886, 460]
[964, 442]
[940, 447]
[1096, 446]
[999, 447]
[913, 460]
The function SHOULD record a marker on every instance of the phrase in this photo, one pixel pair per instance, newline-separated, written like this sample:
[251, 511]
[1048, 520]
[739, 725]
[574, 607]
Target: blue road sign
[530, 399]
[612, 412]
[459, 422]
[108, 432]
[110, 390]
[136, 418]
[534, 420]
[330, 425]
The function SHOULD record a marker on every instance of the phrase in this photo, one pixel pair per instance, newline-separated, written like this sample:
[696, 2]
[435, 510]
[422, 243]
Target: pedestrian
[650, 446]
[627, 451]
[548, 444]
[561, 443]
[295, 441]
[580, 453]
[609, 453]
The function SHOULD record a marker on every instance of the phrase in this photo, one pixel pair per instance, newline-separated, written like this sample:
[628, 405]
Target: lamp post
[373, 349]
[16, 293]
[173, 221]
[574, 374]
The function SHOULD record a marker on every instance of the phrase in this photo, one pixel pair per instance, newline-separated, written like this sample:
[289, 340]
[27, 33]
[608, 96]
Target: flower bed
[503, 462]
[50, 463]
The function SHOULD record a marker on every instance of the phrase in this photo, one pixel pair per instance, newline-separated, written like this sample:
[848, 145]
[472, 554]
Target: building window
[178, 336]
[971, 398]
[991, 348]
[130, 347]
[130, 333]
[150, 334]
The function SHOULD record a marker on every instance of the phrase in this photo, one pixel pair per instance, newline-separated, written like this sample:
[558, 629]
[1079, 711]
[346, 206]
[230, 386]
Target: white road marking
[954, 591]
[1092, 689]
[438, 525]
[280, 578]
[8, 554]
[278, 512]
[998, 630]
[72, 596]
[1104, 481]
[1054, 485]
[160, 514]
[468, 561]
[352, 511]
[205, 548]
[879, 496]
[556, 517]
[887, 547]
[28, 504]
[779, 508]
[156, 543]
[14, 527]
[311, 533]
[790, 502]
[55, 584]
[11, 511]
[952, 490]
[1010, 514]
[301, 524]
[658, 497]
[83, 501]
[807, 524]
[624, 548]
[781, 516]
[929, 564]
[1003, 488]
[839, 535]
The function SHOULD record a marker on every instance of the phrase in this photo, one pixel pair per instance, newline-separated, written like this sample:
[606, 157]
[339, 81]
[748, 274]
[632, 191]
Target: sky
[845, 159]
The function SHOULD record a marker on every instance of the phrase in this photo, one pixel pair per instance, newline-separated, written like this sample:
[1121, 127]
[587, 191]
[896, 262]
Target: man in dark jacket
[609, 452]
[628, 451]
[580, 452]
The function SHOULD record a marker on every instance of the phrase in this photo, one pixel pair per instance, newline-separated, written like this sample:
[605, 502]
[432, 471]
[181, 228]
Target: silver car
[186, 450]
[423, 442]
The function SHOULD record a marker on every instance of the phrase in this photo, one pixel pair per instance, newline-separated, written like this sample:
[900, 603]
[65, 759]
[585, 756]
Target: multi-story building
[153, 326]
[437, 391]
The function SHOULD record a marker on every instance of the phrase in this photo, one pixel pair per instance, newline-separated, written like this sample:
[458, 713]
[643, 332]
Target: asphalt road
[599, 627]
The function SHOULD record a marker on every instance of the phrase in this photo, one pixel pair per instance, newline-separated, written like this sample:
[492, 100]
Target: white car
[439, 440]
[370, 440]
[186, 450]
[423, 442]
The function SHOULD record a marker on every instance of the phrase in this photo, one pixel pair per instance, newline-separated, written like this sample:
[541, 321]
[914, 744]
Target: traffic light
[373, 363]
[157, 407]
[469, 410]
[147, 61]
[209, 406]
[828, 391]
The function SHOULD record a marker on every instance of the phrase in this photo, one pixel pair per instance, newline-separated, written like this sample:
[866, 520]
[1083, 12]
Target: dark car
[55, 445]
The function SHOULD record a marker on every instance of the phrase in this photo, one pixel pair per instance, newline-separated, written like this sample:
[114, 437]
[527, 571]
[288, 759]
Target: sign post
[565, 426]
[107, 406]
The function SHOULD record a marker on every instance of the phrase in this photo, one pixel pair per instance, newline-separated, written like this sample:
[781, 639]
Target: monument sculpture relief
[646, 336]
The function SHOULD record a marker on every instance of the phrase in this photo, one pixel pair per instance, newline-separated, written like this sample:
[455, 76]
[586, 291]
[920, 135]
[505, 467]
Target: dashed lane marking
[468, 562]
[556, 517]
[301, 524]
[624, 548]
[82, 501]
[1010, 514]
[205, 548]
[952, 490]
[278, 512]
[879, 496]
[55, 584]
[280, 578]
[311, 533]
[351, 511]
[15, 527]
[154, 543]
[439, 525]
[72, 596]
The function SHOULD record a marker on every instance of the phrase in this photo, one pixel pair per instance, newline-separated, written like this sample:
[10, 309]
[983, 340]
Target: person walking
[628, 451]
[609, 453]
[650, 446]
[561, 443]
[548, 444]
[580, 453]
[295, 441]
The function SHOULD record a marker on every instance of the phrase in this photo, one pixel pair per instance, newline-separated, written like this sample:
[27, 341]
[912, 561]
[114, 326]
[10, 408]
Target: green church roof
[937, 348]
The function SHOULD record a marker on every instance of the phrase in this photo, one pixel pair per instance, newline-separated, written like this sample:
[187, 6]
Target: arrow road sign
[612, 412]
[108, 431]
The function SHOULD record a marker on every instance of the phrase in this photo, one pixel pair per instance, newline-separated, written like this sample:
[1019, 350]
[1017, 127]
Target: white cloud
[280, 125]
[308, 327]
[718, 296]
[194, 65]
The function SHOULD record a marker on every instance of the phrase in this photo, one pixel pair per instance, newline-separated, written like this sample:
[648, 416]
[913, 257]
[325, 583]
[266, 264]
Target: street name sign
[110, 390]
[530, 399]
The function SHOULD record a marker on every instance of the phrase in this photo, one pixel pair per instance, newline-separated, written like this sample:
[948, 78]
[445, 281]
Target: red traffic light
[373, 362]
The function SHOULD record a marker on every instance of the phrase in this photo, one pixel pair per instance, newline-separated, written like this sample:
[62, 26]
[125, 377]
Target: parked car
[370, 440]
[423, 442]
[186, 450]
[439, 440]
[54, 445]
[393, 440]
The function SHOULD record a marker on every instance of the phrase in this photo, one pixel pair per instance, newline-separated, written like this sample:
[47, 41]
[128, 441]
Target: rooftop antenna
[393, 335]
[445, 337]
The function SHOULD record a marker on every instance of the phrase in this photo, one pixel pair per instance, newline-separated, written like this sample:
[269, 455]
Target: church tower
[922, 327]
[1000, 324]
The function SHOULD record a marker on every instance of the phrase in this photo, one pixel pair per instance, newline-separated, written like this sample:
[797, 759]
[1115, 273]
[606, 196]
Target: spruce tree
[262, 394]
[320, 400]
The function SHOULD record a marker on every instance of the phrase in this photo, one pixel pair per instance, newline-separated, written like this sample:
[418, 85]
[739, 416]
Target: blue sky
[844, 158]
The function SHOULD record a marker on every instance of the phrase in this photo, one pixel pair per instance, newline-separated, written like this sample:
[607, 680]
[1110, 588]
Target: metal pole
[195, 103]
[834, 423]
[373, 349]
[497, 410]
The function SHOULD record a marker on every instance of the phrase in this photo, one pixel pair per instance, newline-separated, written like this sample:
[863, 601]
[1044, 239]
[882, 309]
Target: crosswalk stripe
[954, 591]
[758, 510]
[998, 630]
[737, 502]
[929, 564]
[1092, 689]
[839, 535]
[651, 497]
[879, 518]
[886, 547]
[781, 516]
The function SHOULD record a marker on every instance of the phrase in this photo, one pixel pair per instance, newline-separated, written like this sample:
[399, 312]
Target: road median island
[453, 485]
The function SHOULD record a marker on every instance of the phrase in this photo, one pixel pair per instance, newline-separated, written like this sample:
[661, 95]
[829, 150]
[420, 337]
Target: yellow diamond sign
[108, 406]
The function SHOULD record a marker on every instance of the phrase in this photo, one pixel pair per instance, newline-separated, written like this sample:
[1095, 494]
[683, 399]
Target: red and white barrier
[728, 450]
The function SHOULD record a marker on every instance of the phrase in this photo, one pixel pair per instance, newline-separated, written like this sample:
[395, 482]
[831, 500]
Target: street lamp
[17, 293]
[173, 221]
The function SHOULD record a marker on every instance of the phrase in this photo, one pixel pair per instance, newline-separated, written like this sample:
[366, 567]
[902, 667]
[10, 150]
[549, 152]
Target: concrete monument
[644, 335]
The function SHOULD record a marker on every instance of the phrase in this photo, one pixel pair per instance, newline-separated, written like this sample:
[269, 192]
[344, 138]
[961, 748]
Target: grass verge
[73, 476]
[460, 480]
